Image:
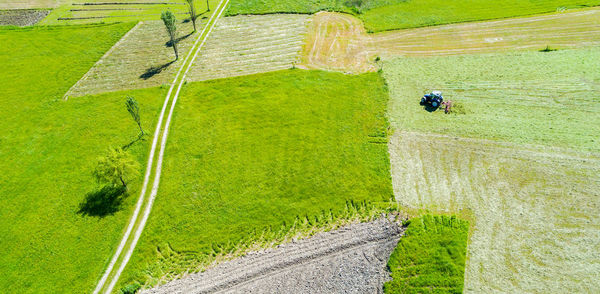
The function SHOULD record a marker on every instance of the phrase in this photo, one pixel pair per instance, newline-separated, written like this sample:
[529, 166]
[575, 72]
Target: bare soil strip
[244, 45]
[351, 259]
[535, 226]
[22, 17]
[339, 42]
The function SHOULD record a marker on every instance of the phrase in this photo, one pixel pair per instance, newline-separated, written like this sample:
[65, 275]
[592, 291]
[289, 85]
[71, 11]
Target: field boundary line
[186, 64]
[87, 74]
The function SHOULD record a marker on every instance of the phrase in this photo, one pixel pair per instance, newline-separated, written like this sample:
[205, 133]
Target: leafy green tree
[170, 24]
[192, 9]
[134, 110]
[117, 167]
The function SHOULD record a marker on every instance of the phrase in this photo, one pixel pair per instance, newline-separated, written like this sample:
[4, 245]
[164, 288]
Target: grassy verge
[430, 257]
[254, 157]
[384, 15]
[542, 98]
[49, 148]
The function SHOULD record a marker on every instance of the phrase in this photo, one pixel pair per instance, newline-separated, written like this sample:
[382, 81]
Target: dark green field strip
[128, 3]
[430, 257]
[113, 16]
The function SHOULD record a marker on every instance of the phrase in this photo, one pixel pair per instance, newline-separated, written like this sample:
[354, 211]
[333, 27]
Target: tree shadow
[103, 202]
[139, 138]
[169, 44]
[154, 70]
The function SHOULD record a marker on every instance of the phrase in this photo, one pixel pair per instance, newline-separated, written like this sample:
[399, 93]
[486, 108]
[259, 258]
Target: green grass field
[430, 257]
[385, 15]
[49, 148]
[530, 97]
[259, 153]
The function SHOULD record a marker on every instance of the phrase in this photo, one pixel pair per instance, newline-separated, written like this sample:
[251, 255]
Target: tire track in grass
[134, 219]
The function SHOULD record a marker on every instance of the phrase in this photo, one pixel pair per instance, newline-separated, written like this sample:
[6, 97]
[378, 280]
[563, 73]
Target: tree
[169, 19]
[134, 110]
[117, 167]
[193, 15]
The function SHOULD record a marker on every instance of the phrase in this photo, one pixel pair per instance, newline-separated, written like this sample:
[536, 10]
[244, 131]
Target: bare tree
[170, 24]
[134, 110]
[192, 9]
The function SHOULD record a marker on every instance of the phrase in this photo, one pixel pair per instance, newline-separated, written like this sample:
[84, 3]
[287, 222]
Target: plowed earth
[351, 259]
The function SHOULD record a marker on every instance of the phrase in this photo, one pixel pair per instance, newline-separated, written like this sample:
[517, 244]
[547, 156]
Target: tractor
[433, 100]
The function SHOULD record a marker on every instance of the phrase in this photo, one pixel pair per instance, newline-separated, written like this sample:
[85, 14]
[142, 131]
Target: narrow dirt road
[351, 259]
[139, 224]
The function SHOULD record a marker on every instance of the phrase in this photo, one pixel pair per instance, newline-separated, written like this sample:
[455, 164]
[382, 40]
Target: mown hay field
[542, 98]
[251, 157]
[249, 44]
[520, 155]
[385, 15]
[534, 210]
[51, 243]
[143, 58]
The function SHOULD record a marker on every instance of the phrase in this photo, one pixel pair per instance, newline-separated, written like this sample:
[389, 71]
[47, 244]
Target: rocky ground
[21, 17]
[351, 259]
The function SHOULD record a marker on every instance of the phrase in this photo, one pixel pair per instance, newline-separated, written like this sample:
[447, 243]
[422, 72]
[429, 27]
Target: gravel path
[351, 259]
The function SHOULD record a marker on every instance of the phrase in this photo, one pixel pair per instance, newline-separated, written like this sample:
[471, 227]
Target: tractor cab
[433, 99]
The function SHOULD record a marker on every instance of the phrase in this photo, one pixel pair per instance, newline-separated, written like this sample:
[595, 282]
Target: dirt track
[348, 260]
[339, 42]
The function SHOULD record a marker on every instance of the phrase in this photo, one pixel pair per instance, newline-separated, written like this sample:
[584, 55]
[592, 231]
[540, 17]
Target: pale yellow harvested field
[242, 45]
[140, 59]
[535, 209]
[339, 42]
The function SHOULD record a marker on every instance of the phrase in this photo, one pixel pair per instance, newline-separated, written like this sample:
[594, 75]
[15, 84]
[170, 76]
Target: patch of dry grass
[339, 42]
[243, 45]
